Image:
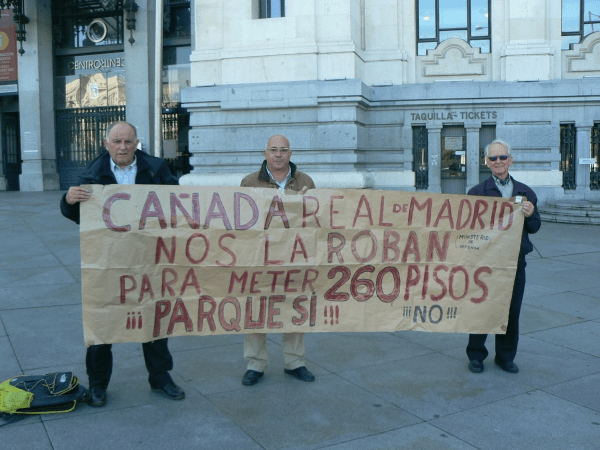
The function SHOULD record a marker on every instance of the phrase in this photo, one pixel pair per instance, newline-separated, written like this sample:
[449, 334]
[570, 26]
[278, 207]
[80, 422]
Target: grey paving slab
[338, 352]
[25, 436]
[183, 343]
[8, 358]
[435, 341]
[565, 280]
[592, 292]
[75, 270]
[38, 296]
[582, 391]
[36, 276]
[2, 329]
[191, 423]
[310, 415]
[49, 319]
[534, 318]
[590, 260]
[421, 436]
[434, 385]
[580, 304]
[582, 337]
[533, 420]
[532, 289]
[550, 265]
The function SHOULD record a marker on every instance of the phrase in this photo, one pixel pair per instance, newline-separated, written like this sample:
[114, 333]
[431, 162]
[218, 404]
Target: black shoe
[476, 366]
[97, 396]
[171, 391]
[508, 366]
[301, 373]
[251, 377]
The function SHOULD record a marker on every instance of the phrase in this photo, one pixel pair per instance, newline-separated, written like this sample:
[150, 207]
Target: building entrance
[454, 160]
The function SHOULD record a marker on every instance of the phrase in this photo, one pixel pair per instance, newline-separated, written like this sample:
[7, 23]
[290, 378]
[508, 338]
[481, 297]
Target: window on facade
[579, 18]
[567, 155]
[438, 20]
[595, 153]
[420, 167]
[272, 8]
[87, 23]
[176, 19]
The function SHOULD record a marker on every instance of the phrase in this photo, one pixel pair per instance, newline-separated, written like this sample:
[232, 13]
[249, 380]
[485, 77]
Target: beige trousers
[255, 351]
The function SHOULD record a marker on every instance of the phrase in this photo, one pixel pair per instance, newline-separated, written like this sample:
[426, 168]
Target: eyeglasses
[274, 150]
[502, 158]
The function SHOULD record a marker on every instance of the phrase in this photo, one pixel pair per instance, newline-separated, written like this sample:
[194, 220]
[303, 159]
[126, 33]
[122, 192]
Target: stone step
[576, 212]
[570, 219]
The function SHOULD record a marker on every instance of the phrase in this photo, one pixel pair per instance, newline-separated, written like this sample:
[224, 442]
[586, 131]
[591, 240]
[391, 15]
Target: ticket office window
[454, 160]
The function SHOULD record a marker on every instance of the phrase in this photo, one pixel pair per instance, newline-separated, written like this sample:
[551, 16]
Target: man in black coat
[501, 184]
[123, 164]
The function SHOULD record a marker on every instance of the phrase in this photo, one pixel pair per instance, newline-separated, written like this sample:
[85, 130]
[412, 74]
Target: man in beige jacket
[279, 173]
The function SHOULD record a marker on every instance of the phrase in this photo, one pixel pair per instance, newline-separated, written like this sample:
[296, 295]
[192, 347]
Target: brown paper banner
[161, 261]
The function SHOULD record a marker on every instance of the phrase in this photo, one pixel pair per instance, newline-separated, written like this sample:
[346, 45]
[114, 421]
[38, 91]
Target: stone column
[139, 74]
[582, 150]
[472, 131]
[36, 103]
[434, 159]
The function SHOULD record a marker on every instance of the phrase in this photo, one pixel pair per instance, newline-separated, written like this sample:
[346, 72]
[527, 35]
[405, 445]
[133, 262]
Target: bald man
[277, 172]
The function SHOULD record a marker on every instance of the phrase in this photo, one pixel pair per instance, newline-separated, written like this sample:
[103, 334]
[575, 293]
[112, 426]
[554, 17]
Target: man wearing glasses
[501, 184]
[279, 173]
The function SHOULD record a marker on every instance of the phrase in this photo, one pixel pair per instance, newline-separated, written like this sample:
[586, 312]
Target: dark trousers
[158, 359]
[506, 344]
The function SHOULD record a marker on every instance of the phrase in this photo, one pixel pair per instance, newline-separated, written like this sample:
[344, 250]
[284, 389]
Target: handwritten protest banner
[161, 261]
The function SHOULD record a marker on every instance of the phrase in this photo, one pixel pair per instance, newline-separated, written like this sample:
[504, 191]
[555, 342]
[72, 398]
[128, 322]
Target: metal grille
[420, 167]
[80, 138]
[11, 151]
[595, 153]
[567, 155]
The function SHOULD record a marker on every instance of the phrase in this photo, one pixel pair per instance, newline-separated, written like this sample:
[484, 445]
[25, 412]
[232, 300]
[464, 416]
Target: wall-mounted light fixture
[19, 19]
[130, 8]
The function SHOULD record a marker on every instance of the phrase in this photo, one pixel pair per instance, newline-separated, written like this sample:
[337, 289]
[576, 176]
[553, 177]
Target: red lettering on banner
[254, 282]
[180, 314]
[425, 282]
[106, 212]
[393, 245]
[302, 250]
[260, 323]
[267, 262]
[337, 250]
[481, 284]
[274, 311]
[333, 211]
[412, 247]
[448, 216]
[463, 202]
[160, 245]
[434, 244]
[388, 298]
[301, 309]
[194, 222]
[161, 309]
[288, 281]
[275, 274]
[226, 250]
[276, 212]
[152, 201]
[493, 215]
[188, 252]
[454, 270]
[504, 206]
[381, 208]
[368, 284]
[146, 288]
[477, 214]
[190, 280]
[234, 323]
[415, 204]
[368, 215]
[436, 298]
[242, 279]
[412, 278]
[212, 214]
[208, 315]
[306, 214]
[373, 253]
[308, 280]
[332, 293]
[237, 211]
[124, 289]
[166, 285]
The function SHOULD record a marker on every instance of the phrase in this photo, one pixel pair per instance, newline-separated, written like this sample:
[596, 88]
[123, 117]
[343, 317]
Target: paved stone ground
[373, 390]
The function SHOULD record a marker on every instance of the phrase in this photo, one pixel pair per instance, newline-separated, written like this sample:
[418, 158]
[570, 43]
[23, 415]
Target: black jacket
[150, 170]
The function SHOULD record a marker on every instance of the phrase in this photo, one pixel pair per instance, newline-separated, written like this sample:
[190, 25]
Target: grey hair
[114, 124]
[501, 142]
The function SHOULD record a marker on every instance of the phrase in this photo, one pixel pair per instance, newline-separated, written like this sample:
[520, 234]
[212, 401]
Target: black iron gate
[595, 153]
[420, 166]
[567, 155]
[80, 138]
[11, 150]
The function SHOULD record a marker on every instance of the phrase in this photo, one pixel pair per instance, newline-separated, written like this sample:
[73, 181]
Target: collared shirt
[505, 186]
[126, 175]
[281, 184]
